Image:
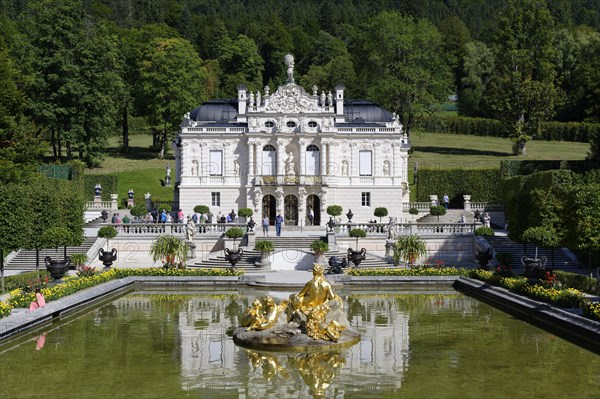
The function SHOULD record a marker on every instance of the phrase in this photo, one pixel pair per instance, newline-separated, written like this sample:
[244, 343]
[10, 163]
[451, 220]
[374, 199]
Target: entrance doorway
[269, 208]
[291, 210]
[313, 202]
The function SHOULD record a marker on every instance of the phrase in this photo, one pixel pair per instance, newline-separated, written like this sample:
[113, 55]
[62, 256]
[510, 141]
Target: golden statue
[263, 314]
[313, 304]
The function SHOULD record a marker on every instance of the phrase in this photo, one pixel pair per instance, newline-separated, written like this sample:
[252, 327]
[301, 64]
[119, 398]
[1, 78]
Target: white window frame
[365, 162]
[365, 199]
[215, 163]
[215, 198]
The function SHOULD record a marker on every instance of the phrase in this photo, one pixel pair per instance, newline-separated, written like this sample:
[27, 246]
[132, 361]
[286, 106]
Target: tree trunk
[125, 122]
[54, 148]
[59, 145]
[69, 150]
[163, 143]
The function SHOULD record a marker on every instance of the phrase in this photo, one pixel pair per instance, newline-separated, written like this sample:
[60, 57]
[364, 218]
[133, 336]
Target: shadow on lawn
[461, 151]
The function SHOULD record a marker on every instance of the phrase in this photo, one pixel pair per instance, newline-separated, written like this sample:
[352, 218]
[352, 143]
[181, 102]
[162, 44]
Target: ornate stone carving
[290, 99]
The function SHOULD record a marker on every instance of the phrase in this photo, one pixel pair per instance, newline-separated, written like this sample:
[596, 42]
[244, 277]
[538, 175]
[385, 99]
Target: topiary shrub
[138, 210]
[413, 211]
[234, 233]
[380, 212]
[484, 231]
[334, 210]
[357, 233]
[107, 232]
[245, 212]
[203, 209]
[437, 210]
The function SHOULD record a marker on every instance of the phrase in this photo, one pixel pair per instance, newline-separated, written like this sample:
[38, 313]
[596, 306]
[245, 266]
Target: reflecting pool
[177, 344]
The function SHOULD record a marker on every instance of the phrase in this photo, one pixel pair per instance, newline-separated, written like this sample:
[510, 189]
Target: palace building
[292, 152]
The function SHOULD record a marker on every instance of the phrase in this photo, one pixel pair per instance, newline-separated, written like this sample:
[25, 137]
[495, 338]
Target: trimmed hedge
[557, 131]
[510, 168]
[108, 183]
[21, 280]
[481, 184]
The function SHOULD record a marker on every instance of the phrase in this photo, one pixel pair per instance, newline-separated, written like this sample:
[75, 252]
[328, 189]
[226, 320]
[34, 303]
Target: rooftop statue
[289, 62]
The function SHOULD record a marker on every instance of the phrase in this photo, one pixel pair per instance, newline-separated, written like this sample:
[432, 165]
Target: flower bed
[22, 299]
[566, 297]
[412, 271]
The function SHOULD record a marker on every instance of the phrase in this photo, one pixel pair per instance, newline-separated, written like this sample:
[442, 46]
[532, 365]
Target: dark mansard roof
[357, 112]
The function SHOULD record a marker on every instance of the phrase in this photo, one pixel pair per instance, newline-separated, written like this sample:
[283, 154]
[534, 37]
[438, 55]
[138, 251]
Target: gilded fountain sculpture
[312, 319]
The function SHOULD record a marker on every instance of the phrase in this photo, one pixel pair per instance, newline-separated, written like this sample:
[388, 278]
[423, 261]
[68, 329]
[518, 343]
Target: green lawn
[143, 172]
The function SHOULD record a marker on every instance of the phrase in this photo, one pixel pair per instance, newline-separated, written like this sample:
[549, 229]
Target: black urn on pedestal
[233, 256]
[357, 256]
[107, 258]
[57, 268]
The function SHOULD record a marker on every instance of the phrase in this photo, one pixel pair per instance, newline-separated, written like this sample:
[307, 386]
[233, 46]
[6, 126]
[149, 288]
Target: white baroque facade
[292, 152]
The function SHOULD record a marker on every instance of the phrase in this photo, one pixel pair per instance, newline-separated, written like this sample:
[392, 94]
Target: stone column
[250, 167]
[148, 199]
[280, 158]
[301, 160]
[113, 201]
[467, 199]
[323, 160]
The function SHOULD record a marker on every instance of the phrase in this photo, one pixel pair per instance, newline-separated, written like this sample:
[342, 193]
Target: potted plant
[437, 210]
[265, 248]
[245, 213]
[542, 236]
[409, 248]
[357, 256]
[169, 250]
[234, 255]
[380, 212]
[56, 237]
[319, 248]
[107, 258]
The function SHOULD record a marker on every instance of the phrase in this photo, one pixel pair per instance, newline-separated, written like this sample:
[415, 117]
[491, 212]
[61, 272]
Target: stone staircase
[25, 259]
[250, 256]
[504, 244]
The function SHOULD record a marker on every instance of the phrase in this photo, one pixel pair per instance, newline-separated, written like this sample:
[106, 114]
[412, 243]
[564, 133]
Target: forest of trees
[75, 72]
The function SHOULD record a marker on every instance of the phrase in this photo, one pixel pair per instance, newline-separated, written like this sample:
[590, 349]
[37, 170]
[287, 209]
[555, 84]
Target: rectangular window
[366, 199]
[215, 167]
[216, 199]
[365, 160]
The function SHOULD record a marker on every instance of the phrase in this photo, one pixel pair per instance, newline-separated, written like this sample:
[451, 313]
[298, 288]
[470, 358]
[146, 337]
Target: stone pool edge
[558, 321]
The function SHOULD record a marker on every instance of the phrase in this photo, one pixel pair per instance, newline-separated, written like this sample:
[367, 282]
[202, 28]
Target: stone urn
[534, 267]
[57, 268]
[357, 256]
[233, 256]
[107, 258]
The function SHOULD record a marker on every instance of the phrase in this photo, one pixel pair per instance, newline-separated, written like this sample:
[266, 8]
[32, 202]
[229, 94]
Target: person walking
[265, 225]
[278, 222]
[446, 201]
[311, 216]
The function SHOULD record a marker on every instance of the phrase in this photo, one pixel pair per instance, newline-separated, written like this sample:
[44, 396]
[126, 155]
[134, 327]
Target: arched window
[269, 124]
[312, 124]
[269, 160]
[313, 161]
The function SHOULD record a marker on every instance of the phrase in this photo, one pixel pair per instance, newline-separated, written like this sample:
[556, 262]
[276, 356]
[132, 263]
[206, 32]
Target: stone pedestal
[251, 239]
[167, 181]
[113, 201]
[389, 250]
[97, 199]
[130, 203]
[191, 250]
[148, 199]
[331, 240]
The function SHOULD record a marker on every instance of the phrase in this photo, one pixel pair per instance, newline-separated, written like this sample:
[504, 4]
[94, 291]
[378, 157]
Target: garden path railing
[410, 228]
[176, 229]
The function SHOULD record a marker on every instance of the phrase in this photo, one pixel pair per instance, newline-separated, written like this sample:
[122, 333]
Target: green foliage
[170, 250]
[594, 153]
[107, 232]
[437, 210]
[139, 210]
[234, 233]
[357, 233]
[319, 247]
[409, 248]
[412, 271]
[545, 237]
[56, 237]
[264, 246]
[380, 212]
[558, 131]
[334, 210]
[481, 184]
[244, 212]
[403, 65]
[504, 258]
[484, 231]
[413, 211]
[510, 168]
[108, 182]
[580, 282]
[22, 279]
[79, 259]
[203, 209]
[522, 90]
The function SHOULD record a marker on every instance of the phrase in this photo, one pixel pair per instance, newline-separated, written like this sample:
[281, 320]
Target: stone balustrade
[421, 206]
[99, 205]
[411, 228]
[176, 229]
[486, 206]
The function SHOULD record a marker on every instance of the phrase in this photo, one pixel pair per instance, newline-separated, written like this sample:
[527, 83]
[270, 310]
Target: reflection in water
[317, 370]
